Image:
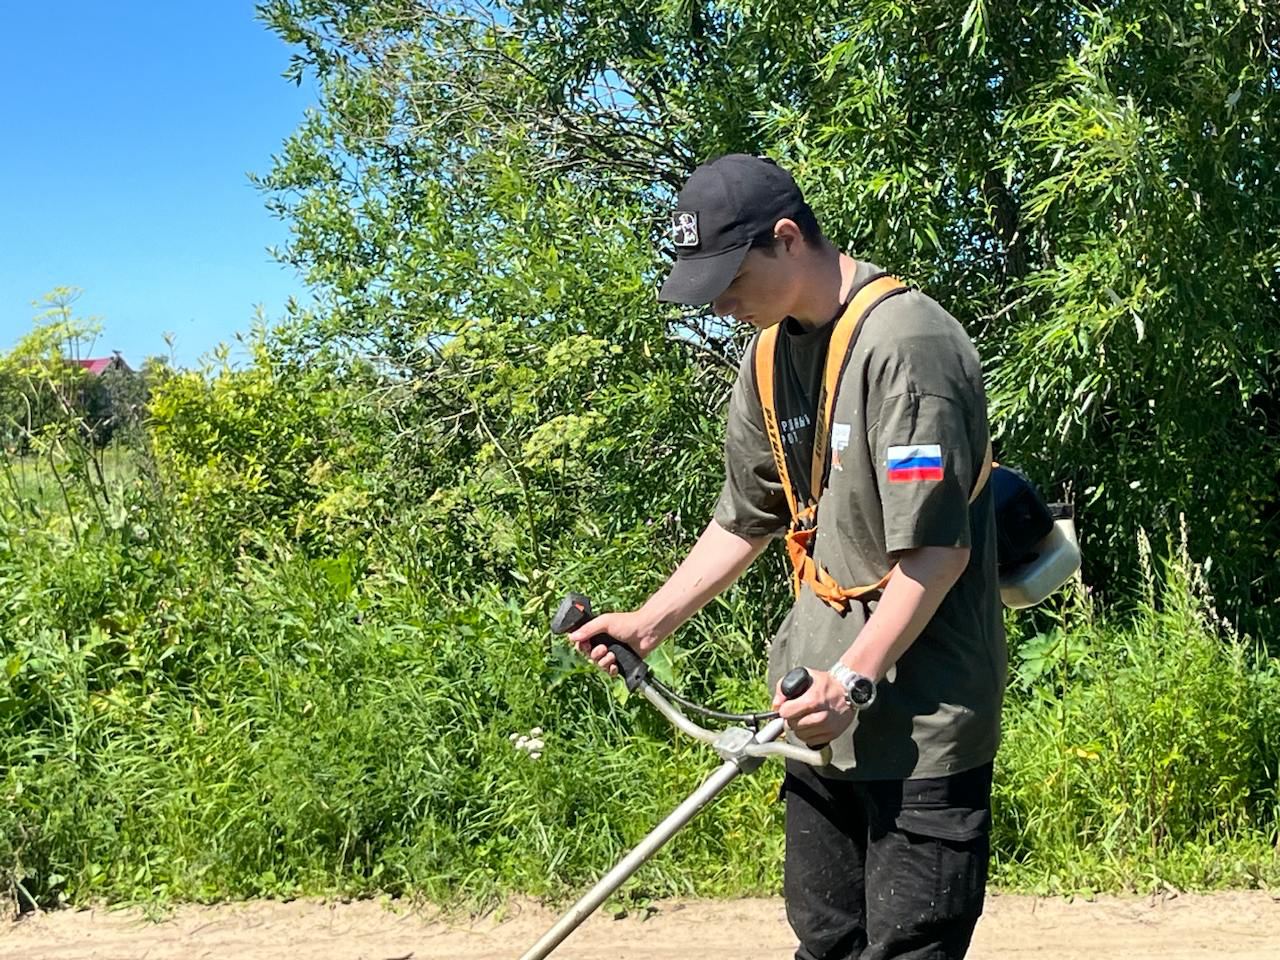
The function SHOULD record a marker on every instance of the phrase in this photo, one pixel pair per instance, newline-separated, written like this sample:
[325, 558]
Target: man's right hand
[714, 562]
[631, 628]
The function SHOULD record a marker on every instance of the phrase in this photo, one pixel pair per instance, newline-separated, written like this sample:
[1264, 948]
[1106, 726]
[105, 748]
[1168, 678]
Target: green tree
[1090, 187]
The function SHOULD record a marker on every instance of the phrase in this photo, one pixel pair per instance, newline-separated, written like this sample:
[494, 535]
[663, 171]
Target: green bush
[276, 448]
[191, 724]
[303, 736]
[1141, 751]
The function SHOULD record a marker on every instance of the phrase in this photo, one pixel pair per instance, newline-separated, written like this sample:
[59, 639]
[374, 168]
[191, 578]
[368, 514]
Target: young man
[887, 847]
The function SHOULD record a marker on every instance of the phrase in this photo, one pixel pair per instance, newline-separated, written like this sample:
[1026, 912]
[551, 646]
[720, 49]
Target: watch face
[862, 691]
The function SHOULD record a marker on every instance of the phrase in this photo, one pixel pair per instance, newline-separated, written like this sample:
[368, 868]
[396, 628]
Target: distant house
[97, 367]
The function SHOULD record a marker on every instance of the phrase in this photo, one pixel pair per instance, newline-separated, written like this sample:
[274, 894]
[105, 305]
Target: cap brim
[699, 280]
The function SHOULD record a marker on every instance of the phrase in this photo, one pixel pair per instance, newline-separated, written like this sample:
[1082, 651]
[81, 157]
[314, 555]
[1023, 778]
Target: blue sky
[127, 131]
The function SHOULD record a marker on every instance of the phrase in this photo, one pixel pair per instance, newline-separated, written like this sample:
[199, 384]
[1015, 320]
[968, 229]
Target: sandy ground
[1185, 926]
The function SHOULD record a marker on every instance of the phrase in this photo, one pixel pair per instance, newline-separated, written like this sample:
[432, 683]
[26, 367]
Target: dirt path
[1222, 925]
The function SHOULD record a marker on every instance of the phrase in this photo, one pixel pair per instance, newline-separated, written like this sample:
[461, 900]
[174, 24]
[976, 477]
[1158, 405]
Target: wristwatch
[860, 691]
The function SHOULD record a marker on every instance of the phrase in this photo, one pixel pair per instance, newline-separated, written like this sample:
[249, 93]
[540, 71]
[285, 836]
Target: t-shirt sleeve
[752, 502]
[926, 465]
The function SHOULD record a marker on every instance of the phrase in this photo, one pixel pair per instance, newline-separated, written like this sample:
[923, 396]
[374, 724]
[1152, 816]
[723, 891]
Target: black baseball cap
[725, 204]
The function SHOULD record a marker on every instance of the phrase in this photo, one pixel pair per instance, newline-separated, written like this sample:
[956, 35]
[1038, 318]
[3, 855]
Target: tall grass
[172, 728]
[1141, 753]
[177, 722]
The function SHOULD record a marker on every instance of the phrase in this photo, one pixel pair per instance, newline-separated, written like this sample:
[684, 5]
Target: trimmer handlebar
[575, 610]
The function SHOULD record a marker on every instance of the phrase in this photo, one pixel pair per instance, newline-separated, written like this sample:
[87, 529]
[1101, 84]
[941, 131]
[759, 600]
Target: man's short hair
[805, 220]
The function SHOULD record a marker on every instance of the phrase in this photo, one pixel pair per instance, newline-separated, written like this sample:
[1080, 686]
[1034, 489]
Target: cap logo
[684, 228]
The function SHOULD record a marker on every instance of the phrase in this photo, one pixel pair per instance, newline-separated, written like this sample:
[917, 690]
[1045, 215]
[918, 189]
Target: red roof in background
[101, 364]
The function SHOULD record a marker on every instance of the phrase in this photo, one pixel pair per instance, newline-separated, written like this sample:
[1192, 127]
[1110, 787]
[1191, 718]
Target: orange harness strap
[765, 349]
[868, 297]
[804, 520]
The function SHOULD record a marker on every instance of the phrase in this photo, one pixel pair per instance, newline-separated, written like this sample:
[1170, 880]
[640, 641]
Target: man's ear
[788, 231]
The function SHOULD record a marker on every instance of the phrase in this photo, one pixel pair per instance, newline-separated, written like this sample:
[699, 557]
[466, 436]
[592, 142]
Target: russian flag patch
[921, 461]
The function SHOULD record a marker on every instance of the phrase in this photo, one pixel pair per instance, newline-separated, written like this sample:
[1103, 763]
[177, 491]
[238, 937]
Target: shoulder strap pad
[869, 296]
[766, 347]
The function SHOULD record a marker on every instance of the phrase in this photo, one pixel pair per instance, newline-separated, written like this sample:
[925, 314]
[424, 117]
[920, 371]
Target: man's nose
[724, 306]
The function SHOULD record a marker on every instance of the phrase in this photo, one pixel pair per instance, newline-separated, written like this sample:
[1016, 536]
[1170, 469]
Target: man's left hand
[819, 716]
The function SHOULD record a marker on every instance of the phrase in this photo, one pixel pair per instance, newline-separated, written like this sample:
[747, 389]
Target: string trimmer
[744, 748]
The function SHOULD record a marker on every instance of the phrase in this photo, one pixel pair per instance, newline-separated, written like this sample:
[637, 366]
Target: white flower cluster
[531, 743]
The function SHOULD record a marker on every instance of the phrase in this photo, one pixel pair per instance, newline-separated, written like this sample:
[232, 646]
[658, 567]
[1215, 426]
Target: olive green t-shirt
[908, 436]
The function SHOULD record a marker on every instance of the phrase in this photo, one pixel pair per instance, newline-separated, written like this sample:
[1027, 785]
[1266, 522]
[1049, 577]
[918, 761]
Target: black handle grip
[575, 610]
[796, 684]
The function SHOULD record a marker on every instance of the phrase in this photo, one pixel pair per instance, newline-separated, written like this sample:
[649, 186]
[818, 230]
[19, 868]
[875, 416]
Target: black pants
[885, 868]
